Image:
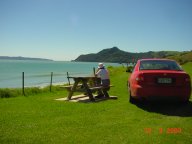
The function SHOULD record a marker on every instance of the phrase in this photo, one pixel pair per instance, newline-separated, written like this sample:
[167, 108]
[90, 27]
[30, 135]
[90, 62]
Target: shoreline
[40, 86]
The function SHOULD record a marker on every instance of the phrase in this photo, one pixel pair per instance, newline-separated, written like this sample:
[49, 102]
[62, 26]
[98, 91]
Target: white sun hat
[100, 65]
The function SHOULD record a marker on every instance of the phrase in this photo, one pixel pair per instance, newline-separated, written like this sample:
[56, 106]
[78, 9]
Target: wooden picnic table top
[83, 77]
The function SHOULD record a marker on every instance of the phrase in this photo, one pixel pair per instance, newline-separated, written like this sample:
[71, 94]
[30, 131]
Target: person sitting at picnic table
[105, 81]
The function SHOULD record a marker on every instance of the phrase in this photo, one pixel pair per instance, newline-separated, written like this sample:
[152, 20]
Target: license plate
[164, 80]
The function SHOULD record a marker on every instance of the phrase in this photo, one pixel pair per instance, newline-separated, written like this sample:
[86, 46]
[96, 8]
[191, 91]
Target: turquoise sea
[38, 73]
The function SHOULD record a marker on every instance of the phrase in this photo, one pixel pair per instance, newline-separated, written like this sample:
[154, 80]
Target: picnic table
[81, 83]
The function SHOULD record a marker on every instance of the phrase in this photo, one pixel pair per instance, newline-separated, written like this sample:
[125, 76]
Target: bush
[129, 69]
[14, 92]
[6, 93]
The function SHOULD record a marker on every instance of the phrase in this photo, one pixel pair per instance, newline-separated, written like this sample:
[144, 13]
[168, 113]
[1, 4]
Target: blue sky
[64, 29]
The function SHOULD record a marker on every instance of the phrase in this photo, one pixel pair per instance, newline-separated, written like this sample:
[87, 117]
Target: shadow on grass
[167, 108]
[85, 99]
[97, 100]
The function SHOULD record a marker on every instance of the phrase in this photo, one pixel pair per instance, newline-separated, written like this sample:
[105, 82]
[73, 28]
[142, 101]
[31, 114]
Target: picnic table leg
[72, 90]
[88, 91]
[98, 83]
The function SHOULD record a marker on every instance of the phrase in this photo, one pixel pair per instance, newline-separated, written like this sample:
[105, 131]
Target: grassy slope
[183, 57]
[41, 119]
[188, 67]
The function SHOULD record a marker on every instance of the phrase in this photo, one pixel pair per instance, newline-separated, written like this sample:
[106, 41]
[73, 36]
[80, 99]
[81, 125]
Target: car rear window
[159, 65]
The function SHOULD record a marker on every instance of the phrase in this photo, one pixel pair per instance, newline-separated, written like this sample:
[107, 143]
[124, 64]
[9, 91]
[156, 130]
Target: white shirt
[103, 74]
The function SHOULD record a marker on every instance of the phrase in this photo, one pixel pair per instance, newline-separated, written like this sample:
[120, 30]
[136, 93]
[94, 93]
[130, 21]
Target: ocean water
[38, 73]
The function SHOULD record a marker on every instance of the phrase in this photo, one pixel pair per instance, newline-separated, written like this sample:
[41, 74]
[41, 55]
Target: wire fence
[49, 80]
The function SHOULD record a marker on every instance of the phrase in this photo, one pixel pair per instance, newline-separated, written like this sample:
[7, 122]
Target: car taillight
[139, 79]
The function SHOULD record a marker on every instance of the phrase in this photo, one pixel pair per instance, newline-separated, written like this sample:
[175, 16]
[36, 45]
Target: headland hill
[115, 55]
[23, 58]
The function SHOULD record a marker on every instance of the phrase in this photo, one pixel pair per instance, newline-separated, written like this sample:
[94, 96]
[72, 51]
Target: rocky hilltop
[116, 55]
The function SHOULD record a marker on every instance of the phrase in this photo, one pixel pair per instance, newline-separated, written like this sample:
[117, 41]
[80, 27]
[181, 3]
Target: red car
[159, 79]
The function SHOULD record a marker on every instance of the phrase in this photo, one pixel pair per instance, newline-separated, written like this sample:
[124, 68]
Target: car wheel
[131, 99]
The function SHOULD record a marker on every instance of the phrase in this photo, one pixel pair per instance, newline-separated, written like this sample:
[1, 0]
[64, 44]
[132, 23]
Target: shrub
[129, 69]
[6, 93]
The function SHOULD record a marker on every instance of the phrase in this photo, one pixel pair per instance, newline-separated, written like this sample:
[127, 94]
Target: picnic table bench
[69, 87]
[100, 87]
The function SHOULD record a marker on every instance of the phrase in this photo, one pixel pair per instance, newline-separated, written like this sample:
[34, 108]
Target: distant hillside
[118, 56]
[22, 58]
[183, 57]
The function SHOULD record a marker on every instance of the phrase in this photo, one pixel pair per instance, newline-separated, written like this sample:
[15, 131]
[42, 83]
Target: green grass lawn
[41, 119]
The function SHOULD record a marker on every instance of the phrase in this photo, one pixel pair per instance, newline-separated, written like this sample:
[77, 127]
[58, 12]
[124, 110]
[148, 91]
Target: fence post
[51, 80]
[23, 84]
[94, 71]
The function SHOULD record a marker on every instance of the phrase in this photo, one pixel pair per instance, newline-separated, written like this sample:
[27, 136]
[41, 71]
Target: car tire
[131, 99]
